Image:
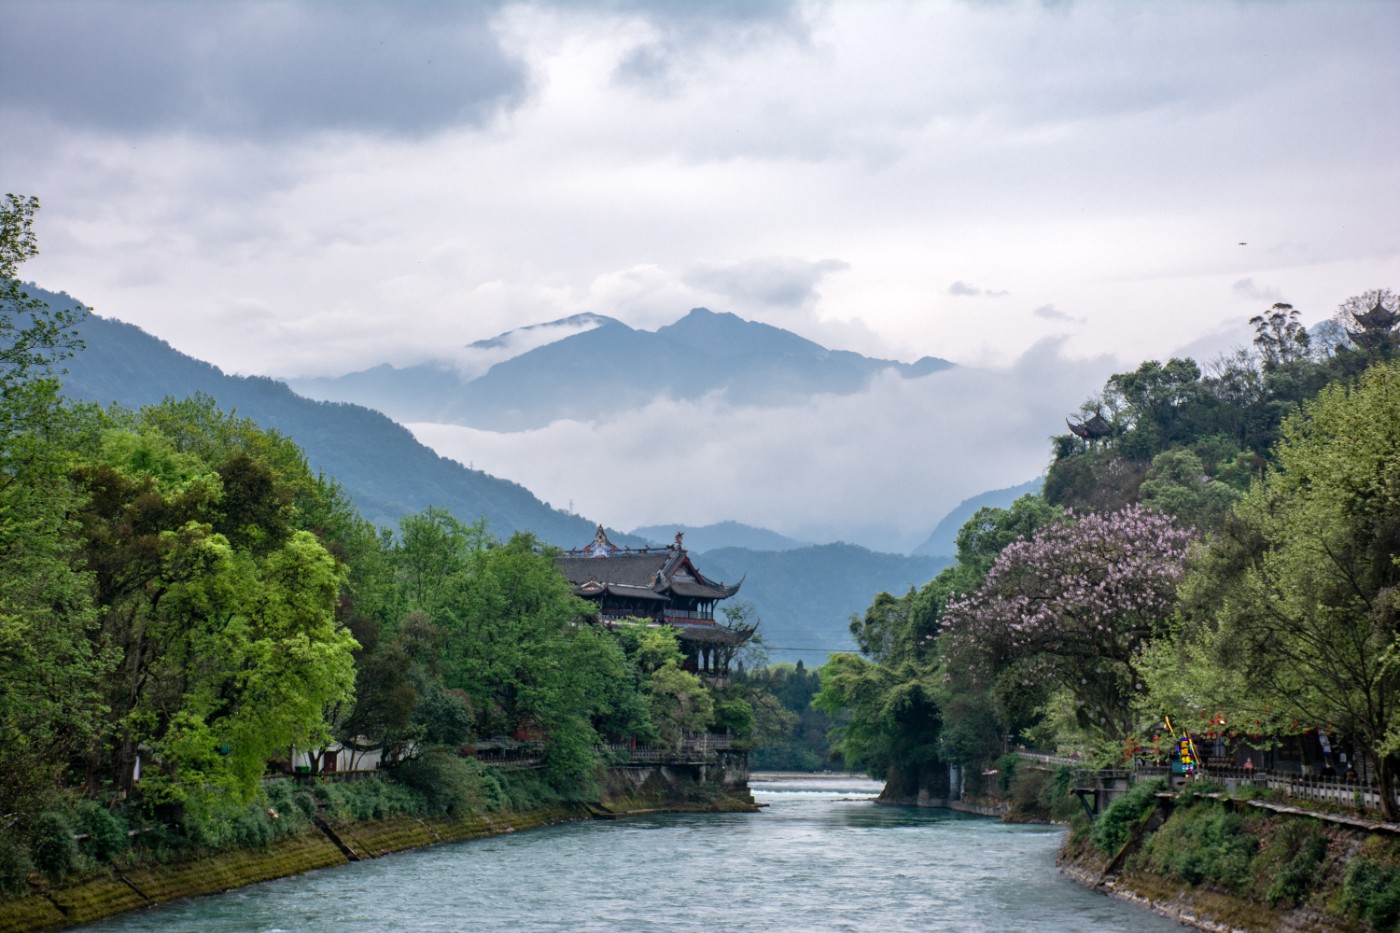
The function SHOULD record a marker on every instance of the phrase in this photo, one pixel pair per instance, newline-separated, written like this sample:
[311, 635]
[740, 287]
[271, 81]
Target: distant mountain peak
[565, 327]
[588, 367]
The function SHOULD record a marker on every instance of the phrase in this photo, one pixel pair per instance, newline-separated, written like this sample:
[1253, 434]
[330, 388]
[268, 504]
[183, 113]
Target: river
[821, 856]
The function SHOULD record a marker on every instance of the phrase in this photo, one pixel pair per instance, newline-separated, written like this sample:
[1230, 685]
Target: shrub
[1006, 772]
[293, 805]
[1204, 842]
[525, 790]
[449, 784]
[1302, 849]
[15, 864]
[734, 716]
[1115, 825]
[105, 829]
[1372, 889]
[53, 849]
[1061, 804]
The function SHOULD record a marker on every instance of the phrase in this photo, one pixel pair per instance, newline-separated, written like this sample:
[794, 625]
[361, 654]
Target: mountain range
[943, 542]
[597, 367]
[729, 534]
[804, 593]
[383, 469]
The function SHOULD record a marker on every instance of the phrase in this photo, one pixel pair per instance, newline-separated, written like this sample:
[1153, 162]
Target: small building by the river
[663, 586]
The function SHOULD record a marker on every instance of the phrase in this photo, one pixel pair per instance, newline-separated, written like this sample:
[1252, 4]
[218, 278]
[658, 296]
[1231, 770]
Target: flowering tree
[1074, 607]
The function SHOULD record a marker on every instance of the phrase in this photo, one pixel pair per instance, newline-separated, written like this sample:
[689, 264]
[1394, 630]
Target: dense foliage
[184, 602]
[1219, 545]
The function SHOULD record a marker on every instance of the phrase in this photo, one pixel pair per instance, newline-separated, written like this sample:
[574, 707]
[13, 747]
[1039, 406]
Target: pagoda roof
[657, 571]
[1092, 429]
[1378, 318]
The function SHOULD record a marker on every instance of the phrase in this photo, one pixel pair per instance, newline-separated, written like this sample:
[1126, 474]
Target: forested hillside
[186, 605]
[807, 595]
[1216, 544]
[387, 474]
[382, 468]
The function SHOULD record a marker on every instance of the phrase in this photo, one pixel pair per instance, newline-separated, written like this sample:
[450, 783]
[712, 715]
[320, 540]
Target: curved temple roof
[660, 570]
[657, 576]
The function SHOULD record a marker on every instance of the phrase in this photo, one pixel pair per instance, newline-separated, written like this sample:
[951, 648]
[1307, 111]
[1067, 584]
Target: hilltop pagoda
[1375, 331]
[662, 586]
[1094, 429]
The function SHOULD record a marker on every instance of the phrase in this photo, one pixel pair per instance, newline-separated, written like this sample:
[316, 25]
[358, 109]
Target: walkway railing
[1290, 785]
[694, 748]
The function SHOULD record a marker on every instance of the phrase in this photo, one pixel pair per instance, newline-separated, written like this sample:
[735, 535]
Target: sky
[1042, 192]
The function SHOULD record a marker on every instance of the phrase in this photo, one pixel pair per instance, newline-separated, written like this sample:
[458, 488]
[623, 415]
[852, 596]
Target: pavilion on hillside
[660, 585]
[1375, 328]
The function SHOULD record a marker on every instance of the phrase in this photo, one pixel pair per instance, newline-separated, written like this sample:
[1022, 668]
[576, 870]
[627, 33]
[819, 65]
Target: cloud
[822, 471]
[384, 214]
[1245, 288]
[962, 289]
[255, 69]
[782, 281]
[474, 360]
[1052, 313]
[681, 33]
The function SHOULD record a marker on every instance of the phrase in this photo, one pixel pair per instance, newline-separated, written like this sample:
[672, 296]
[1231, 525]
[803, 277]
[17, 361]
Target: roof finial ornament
[679, 535]
[601, 546]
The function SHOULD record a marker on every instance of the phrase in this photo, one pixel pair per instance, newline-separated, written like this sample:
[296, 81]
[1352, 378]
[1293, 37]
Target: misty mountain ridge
[603, 367]
[943, 542]
[805, 596]
[803, 593]
[726, 534]
[383, 469]
[540, 334]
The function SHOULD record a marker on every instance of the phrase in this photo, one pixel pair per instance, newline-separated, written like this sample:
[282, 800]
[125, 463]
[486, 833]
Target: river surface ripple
[821, 856]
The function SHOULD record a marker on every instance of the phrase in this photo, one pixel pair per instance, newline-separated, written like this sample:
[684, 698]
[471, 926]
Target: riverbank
[626, 791]
[1223, 864]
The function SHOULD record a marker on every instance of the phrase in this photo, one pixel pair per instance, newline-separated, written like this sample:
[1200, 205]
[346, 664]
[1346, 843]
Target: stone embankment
[627, 790]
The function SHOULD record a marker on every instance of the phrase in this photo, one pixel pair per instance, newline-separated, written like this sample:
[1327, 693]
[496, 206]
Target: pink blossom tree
[1074, 607]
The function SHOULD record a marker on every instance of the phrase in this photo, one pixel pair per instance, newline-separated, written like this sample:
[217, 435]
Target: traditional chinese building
[1375, 330]
[662, 585]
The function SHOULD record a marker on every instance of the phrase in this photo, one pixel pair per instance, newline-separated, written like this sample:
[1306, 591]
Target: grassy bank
[1227, 864]
[300, 827]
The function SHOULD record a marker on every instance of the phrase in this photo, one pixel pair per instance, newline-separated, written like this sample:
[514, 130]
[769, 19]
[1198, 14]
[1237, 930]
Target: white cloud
[1245, 288]
[879, 468]
[825, 167]
[1052, 313]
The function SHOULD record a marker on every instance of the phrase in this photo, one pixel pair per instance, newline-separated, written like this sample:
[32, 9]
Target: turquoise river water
[820, 857]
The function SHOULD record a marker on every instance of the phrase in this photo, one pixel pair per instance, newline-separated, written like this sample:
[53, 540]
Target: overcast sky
[1051, 190]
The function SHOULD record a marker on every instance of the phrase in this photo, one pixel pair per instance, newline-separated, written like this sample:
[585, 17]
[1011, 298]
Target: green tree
[1178, 485]
[34, 338]
[1299, 594]
[222, 619]
[51, 671]
[679, 703]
